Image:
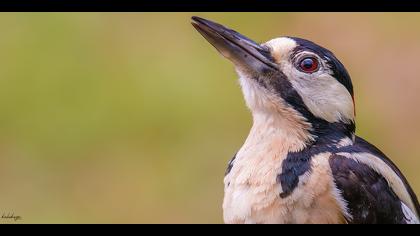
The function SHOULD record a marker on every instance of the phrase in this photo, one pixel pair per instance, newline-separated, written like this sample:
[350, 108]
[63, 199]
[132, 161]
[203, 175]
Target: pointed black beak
[242, 51]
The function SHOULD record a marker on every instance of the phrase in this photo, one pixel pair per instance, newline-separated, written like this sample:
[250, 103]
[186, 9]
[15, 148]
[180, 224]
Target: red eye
[309, 64]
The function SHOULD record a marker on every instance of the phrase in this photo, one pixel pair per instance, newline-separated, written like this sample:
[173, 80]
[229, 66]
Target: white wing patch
[410, 217]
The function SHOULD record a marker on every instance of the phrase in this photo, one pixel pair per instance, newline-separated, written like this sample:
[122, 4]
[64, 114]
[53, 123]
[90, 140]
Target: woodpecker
[302, 162]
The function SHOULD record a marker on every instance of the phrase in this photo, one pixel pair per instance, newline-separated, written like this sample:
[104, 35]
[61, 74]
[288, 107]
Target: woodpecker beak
[242, 51]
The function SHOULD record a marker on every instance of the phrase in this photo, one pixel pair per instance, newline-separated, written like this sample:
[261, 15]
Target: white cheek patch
[325, 97]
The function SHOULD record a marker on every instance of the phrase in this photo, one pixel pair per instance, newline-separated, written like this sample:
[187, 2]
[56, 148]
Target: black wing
[369, 197]
[367, 147]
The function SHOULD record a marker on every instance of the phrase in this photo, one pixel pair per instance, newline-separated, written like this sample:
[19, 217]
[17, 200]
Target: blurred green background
[132, 118]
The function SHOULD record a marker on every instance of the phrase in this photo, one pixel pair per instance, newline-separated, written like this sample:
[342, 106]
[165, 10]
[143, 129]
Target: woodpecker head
[289, 79]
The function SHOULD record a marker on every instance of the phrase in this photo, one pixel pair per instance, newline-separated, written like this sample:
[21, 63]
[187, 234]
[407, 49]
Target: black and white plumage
[302, 162]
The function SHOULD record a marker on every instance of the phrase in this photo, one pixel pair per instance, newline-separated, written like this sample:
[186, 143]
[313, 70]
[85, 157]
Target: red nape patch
[354, 106]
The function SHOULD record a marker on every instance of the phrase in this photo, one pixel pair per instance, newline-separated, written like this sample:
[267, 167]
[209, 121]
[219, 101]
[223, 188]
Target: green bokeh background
[132, 118]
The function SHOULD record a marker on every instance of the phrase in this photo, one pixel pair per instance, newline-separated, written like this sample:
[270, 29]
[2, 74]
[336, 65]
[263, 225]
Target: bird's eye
[309, 64]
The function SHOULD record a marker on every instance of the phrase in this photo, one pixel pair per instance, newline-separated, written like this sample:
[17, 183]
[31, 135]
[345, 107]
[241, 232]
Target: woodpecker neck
[296, 133]
[286, 116]
[292, 132]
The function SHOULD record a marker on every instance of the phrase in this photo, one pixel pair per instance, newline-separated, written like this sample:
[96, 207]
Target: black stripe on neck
[298, 163]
